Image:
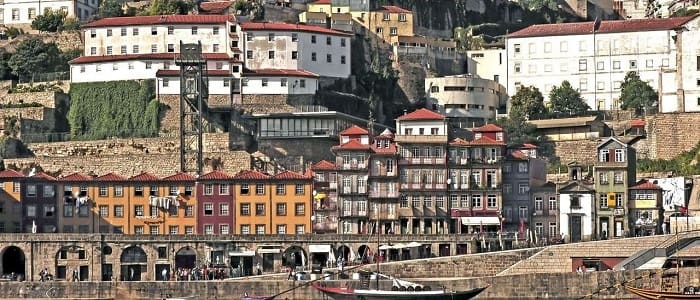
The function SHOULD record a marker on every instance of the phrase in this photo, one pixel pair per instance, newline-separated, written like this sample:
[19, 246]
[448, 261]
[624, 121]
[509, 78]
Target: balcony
[354, 213]
[423, 186]
[382, 172]
[326, 206]
[383, 215]
[487, 160]
[325, 227]
[619, 212]
[431, 139]
[439, 160]
[460, 161]
[233, 35]
[383, 194]
[350, 165]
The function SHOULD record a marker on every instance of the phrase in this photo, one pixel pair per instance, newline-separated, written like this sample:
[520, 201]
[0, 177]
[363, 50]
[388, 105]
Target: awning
[242, 253]
[269, 250]
[413, 245]
[480, 221]
[319, 248]
[385, 247]
[320, 196]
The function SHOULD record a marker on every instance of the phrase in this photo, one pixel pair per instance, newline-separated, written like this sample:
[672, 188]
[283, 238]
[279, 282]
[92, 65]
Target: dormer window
[477, 135]
[603, 156]
[499, 136]
[619, 155]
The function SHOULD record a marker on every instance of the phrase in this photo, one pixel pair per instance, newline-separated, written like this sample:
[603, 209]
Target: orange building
[180, 215]
[144, 218]
[111, 203]
[279, 204]
[10, 205]
[75, 196]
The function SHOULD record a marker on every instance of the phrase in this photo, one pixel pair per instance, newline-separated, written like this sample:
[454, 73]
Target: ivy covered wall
[101, 110]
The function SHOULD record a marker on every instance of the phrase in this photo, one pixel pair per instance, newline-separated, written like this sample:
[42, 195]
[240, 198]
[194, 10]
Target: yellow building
[111, 203]
[388, 22]
[10, 205]
[323, 6]
[279, 204]
[179, 208]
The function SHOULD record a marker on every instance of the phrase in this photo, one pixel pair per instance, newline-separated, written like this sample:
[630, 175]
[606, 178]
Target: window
[123, 32]
[582, 65]
[260, 189]
[123, 49]
[264, 82]
[313, 56]
[49, 210]
[171, 48]
[329, 58]
[281, 209]
[618, 177]
[259, 209]
[223, 189]
[215, 48]
[283, 81]
[109, 32]
[171, 30]
[259, 229]
[619, 155]
[633, 64]
[119, 211]
[215, 30]
[299, 229]
[104, 211]
[517, 67]
[328, 40]
[245, 229]
[49, 191]
[342, 42]
[135, 31]
[295, 55]
[68, 210]
[174, 229]
[208, 229]
[385, 16]
[270, 37]
[224, 229]
[208, 209]
[281, 229]
[402, 17]
[516, 48]
[603, 177]
[31, 190]
[299, 209]
[295, 37]
[109, 50]
[439, 201]
[313, 39]
[271, 54]
[600, 65]
[603, 155]
[302, 83]
[138, 210]
[538, 203]
[299, 189]
[189, 211]
[600, 85]
[154, 48]
[553, 203]
[523, 188]
[245, 189]
[476, 201]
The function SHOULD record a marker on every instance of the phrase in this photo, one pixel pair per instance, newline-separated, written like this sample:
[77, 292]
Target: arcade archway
[345, 253]
[294, 256]
[186, 258]
[13, 262]
[365, 253]
[133, 263]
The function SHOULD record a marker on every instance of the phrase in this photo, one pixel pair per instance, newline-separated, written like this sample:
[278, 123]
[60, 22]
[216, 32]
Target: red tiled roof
[216, 175]
[612, 26]
[42, 175]
[145, 176]
[76, 177]
[486, 141]
[253, 26]
[144, 56]
[9, 173]
[421, 114]
[323, 165]
[159, 20]
[528, 146]
[352, 145]
[110, 177]
[637, 123]
[518, 154]
[393, 9]
[386, 151]
[488, 128]
[459, 142]
[176, 73]
[215, 6]
[289, 175]
[322, 2]
[180, 176]
[354, 130]
[251, 174]
[645, 185]
[279, 72]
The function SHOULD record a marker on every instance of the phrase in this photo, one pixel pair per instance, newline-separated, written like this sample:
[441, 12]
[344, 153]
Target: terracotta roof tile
[613, 26]
[216, 175]
[264, 26]
[486, 141]
[645, 185]
[637, 123]
[145, 176]
[42, 175]
[488, 128]
[145, 56]
[323, 165]
[459, 142]
[9, 173]
[354, 130]
[159, 20]
[111, 177]
[352, 145]
[215, 6]
[251, 175]
[387, 151]
[180, 176]
[210, 73]
[518, 154]
[528, 146]
[322, 2]
[279, 72]
[421, 114]
[289, 175]
[76, 177]
[393, 9]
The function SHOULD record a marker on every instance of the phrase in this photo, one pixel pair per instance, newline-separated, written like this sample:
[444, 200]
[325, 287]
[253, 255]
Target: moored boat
[688, 293]
[401, 290]
[254, 297]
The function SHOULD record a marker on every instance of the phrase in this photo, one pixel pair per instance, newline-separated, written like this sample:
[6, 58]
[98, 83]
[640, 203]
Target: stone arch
[133, 262]
[13, 263]
[295, 256]
[186, 257]
[68, 263]
[345, 252]
[364, 252]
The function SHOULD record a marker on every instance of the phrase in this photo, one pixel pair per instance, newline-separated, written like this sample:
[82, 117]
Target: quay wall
[599, 285]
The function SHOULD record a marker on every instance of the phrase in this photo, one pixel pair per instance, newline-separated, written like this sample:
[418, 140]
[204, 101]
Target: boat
[253, 297]
[689, 292]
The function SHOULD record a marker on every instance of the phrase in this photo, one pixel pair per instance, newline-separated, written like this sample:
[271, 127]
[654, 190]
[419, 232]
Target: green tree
[33, 56]
[65, 56]
[167, 7]
[5, 70]
[637, 94]
[565, 99]
[528, 104]
[50, 21]
[70, 24]
[110, 8]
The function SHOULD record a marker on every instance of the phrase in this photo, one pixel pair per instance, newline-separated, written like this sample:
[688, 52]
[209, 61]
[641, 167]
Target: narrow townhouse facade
[646, 216]
[178, 203]
[352, 156]
[292, 202]
[421, 138]
[78, 209]
[577, 207]
[595, 57]
[111, 203]
[253, 203]
[18, 13]
[387, 22]
[38, 198]
[459, 164]
[10, 204]
[521, 172]
[383, 200]
[215, 196]
[546, 212]
[325, 206]
[144, 218]
[614, 172]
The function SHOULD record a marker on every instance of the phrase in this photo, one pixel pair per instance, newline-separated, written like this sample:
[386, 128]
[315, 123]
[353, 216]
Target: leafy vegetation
[167, 7]
[566, 100]
[50, 21]
[685, 164]
[32, 88]
[100, 110]
[13, 32]
[110, 8]
[637, 94]
[527, 104]
[5, 70]
[33, 56]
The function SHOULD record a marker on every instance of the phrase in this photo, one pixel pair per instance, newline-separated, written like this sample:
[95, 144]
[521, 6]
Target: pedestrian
[164, 274]
[258, 268]
[291, 275]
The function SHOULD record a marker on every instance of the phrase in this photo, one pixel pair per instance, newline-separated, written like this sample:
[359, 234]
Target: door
[106, 272]
[575, 229]
[268, 263]
[247, 265]
[84, 273]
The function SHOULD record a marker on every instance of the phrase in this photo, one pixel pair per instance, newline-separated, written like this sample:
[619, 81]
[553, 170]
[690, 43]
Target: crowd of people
[200, 273]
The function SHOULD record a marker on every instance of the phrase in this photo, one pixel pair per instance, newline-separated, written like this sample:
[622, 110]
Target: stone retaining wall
[671, 134]
[46, 99]
[583, 151]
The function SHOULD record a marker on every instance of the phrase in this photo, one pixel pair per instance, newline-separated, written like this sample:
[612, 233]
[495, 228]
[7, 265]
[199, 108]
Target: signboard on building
[673, 191]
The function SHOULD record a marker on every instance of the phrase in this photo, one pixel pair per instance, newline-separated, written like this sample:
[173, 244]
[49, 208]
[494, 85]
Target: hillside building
[466, 100]
[19, 13]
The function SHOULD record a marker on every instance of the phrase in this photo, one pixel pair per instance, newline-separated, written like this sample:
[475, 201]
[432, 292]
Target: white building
[489, 64]
[21, 13]
[576, 211]
[662, 51]
[468, 101]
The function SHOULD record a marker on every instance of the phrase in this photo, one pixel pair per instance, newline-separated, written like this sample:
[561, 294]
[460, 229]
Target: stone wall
[298, 151]
[583, 151]
[670, 134]
[46, 99]
[261, 104]
[160, 164]
[599, 285]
